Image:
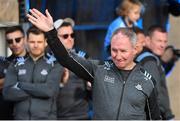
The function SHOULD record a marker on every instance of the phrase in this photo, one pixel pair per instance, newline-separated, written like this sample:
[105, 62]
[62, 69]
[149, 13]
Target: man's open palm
[41, 21]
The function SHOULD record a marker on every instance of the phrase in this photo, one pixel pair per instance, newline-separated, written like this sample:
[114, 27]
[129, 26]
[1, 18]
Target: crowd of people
[46, 78]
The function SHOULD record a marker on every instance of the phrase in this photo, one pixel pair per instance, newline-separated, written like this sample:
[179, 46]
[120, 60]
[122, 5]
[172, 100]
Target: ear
[136, 49]
[46, 43]
[147, 41]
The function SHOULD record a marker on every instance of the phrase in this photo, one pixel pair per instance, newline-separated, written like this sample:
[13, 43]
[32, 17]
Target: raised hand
[41, 21]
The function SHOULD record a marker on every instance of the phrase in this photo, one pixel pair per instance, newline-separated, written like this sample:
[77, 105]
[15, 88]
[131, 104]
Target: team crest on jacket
[81, 54]
[51, 59]
[44, 72]
[138, 87]
[109, 79]
[20, 61]
[22, 72]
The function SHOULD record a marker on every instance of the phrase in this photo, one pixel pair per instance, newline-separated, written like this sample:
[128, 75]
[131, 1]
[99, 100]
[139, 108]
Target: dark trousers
[6, 109]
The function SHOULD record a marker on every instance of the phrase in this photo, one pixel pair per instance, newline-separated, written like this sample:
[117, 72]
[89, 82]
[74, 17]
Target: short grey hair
[127, 32]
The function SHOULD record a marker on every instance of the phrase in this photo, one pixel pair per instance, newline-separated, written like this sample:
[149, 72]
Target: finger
[48, 14]
[33, 22]
[37, 12]
[34, 13]
[65, 69]
[31, 17]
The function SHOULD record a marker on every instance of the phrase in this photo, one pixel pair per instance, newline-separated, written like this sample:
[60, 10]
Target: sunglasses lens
[65, 36]
[17, 40]
[72, 35]
[9, 41]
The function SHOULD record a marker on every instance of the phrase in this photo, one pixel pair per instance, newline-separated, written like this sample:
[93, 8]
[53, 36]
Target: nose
[69, 37]
[118, 56]
[35, 44]
[14, 43]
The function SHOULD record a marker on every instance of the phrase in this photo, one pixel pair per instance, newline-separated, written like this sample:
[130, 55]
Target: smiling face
[157, 42]
[122, 52]
[16, 43]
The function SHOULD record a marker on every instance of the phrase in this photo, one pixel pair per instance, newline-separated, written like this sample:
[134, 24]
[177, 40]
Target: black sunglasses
[65, 36]
[10, 41]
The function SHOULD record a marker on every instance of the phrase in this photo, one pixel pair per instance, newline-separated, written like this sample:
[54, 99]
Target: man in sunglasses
[16, 42]
[72, 99]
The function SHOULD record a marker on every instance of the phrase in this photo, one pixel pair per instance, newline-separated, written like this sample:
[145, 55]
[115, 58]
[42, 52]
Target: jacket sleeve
[47, 89]
[81, 67]
[150, 65]
[9, 91]
[152, 108]
[163, 97]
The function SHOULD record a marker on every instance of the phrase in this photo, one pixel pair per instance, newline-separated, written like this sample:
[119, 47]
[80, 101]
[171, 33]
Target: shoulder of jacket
[50, 59]
[2, 58]
[147, 54]
[18, 61]
[148, 76]
[118, 22]
[107, 65]
[81, 53]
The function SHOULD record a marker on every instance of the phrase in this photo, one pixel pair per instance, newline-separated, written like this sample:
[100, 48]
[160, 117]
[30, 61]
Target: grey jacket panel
[9, 91]
[72, 99]
[39, 80]
[46, 88]
[108, 90]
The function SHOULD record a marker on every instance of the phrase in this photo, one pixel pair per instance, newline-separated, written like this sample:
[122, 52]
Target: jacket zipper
[122, 93]
[34, 64]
